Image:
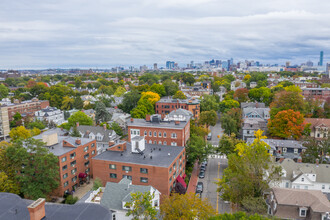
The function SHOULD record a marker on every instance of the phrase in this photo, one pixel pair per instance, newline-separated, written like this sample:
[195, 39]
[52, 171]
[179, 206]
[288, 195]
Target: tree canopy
[142, 207]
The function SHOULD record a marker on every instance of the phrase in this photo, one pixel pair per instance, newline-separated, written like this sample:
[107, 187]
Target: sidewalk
[193, 179]
[82, 190]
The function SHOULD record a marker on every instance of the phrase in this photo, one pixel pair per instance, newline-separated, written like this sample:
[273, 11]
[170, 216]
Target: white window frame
[302, 209]
[174, 135]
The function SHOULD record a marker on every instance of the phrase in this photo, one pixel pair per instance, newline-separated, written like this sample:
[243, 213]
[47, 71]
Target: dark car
[199, 187]
[203, 167]
[209, 136]
[204, 162]
[201, 174]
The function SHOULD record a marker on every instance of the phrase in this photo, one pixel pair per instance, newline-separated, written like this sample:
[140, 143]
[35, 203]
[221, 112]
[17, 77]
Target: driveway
[214, 171]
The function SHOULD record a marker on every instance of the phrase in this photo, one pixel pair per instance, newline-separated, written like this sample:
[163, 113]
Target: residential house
[237, 84]
[305, 176]
[145, 164]
[14, 207]
[298, 204]
[121, 119]
[103, 136]
[114, 197]
[319, 127]
[50, 114]
[316, 93]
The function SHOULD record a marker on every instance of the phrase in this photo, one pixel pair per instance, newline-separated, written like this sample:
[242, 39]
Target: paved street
[215, 131]
[213, 172]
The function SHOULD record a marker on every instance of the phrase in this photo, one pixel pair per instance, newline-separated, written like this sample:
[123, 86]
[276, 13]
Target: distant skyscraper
[309, 63]
[257, 63]
[155, 66]
[287, 63]
[321, 59]
[169, 65]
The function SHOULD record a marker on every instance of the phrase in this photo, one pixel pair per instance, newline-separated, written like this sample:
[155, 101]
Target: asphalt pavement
[215, 131]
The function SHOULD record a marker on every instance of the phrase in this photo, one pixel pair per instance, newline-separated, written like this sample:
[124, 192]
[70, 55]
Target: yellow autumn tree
[152, 97]
[19, 132]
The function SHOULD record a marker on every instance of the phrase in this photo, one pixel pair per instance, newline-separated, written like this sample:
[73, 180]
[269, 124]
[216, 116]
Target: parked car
[203, 167]
[201, 174]
[204, 162]
[209, 136]
[199, 187]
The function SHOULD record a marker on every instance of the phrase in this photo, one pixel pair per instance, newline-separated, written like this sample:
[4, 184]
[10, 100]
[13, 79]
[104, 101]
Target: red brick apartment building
[25, 108]
[160, 129]
[167, 105]
[144, 164]
[74, 155]
[316, 93]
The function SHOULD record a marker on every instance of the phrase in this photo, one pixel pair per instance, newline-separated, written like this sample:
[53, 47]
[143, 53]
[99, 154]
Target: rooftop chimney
[37, 209]
[105, 126]
[78, 141]
[132, 120]
[147, 117]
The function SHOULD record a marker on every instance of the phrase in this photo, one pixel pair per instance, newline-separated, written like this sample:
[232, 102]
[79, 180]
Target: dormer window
[302, 179]
[302, 212]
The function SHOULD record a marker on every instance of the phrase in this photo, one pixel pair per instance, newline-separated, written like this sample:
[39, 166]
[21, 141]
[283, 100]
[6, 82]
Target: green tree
[209, 103]
[249, 171]
[120, 91]
[262, 94]
[97, 183]
[179, 95]
[4, 91]
[208, 118]
[71, 200]
[75, 132]
[226, 105]
[130, 101]
[157, 88]
[78, 103]
[139, 112]
[197, 148]
[101, 113]
[227, 144]
[170, 87]
[36, 124]
[115, 126]
[67, 103]
[141, 206]
[316, 150]
[8, 185]
[185, 206]
[37, 172]
[17, 120]
[80, 117]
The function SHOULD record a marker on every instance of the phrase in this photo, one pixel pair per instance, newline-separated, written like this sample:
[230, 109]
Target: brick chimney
[78, 141]
[105, 126]
[299, 160]
[37, 209]
[147, 117]
[132, 120]
[77, 124]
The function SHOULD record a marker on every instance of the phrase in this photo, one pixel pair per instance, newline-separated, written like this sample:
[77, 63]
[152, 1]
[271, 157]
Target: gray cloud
[102, 33]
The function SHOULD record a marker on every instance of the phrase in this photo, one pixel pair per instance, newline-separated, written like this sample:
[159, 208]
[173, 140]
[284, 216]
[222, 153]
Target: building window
[113, 175]
[74, 179]
[173, 135]
[74, 171]
[170, 179]
[323, 186]
[165, 143]
[64, 167]
[302, 179]
[113, 166]
[143, 180]
[173, 143]
[302, 212]
[164, 135]
[155, 142]
[295, 150]
[93, 145]
[63, 159]
[160, 134]
[150, 141]
[306, 187]
[150, 134]
[287, 185]
[127, 168]
[87, 170]
[159, 142]
[65, 176]
[127, 177]
[145, 133]
[86, 149]
[86, 156]
[93, 152]
[86, 164]
[143, 170]
[73, 163]
[156, 203]
[66, 184]
[72, 156]
[170, 170]
[155, 134]
[284, 149]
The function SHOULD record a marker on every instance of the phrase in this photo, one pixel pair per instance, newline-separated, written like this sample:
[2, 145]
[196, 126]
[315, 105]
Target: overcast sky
[107, 33]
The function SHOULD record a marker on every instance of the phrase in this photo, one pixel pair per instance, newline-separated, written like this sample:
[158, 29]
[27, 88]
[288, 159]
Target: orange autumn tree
[286, 124]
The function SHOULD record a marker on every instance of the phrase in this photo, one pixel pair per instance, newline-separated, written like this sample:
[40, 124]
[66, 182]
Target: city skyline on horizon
[103, 34]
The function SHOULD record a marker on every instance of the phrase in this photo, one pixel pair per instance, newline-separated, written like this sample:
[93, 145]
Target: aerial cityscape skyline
[104, 34]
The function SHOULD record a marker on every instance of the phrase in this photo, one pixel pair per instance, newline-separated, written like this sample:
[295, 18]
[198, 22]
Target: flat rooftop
[162, 124]
[160, 158]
